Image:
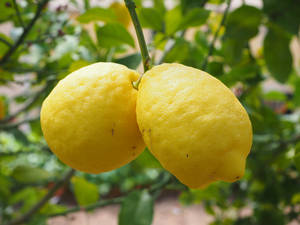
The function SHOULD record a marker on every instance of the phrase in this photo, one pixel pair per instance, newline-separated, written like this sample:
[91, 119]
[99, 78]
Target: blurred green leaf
[191, 4]
[4, 47]
[137, 209]
[179, 52]
[194, 17]
[242, 24]
[131, 61]
[150, 18]
[76, 65]
[113, 34]
[160, 6]
[6, 10]
[85, 192]
[277, 54]
[215, 68]
[176, 21]
[297, 156]
[284, 13]
[173, 20]
[239, 73]
[98, 14]
[275, 96]
[5, 187]
[146, 160]
[27, 197]
[296, 98]
[27, 174]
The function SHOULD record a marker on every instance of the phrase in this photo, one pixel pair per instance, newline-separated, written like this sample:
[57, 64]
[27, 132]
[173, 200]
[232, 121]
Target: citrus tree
[46, 43]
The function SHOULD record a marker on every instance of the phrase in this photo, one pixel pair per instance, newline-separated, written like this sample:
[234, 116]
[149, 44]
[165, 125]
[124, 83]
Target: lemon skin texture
[89, 120]
[193, 124]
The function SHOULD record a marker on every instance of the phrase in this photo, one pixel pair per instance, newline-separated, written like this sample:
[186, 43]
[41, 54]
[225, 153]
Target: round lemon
[193, 124]
[89, 119]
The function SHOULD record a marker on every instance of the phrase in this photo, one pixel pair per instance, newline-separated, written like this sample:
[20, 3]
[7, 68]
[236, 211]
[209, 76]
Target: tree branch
[18, 13]
[26, 30]
[6, 42]
[16, 124]
[154, 190]
[102, 203]
[44, 200]
[139, 33]
[26, 106]
[212, 44]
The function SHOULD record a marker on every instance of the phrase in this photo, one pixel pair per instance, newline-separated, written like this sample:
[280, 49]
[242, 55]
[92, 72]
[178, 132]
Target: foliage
[45, 44]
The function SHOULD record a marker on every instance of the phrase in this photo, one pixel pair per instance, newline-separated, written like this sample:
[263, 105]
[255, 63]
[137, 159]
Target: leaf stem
[18, 13]
[139, 33]
[44, 200]
[212, 44]
[26, 31]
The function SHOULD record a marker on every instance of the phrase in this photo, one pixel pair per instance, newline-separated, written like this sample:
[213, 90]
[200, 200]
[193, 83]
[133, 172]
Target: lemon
[122, 13]
[89, 119]
[193, 124]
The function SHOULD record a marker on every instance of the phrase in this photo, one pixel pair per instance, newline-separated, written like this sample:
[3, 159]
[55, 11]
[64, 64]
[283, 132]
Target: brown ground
[167, 212]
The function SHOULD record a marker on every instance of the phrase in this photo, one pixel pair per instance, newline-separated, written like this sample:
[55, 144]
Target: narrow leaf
[97, 14]
[85, 192]
[113, 34]
[277, 55]
[137, 209]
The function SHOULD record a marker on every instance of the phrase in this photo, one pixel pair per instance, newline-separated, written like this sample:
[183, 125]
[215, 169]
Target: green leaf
[191, 4]
[150, 18]
[239, 73]
[97, 14]
[137, 209]
[4, 47]
[113, 34]
[232, 50]
[277, 54]
[284, 13]
[176, 21]
[77, 65]
[5, 187]
[194, 17]
[131, 61]
[242, 23]
[179, 52]
[85, 192]
[296, 98]
[297, 156]
[173, 20]
[146, 160]
[28, 197]
[275, 96]
[6, 10]
[160, 6]
[27, 174]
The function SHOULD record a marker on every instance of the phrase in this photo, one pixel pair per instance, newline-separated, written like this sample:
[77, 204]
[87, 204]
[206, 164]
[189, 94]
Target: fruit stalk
[139, 33]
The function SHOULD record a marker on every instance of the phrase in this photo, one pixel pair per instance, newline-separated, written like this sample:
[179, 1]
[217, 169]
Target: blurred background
[252, 46]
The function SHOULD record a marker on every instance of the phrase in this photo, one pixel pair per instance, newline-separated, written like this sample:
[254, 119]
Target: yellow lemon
[122, 13]
[193, 124]
[89, 119]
